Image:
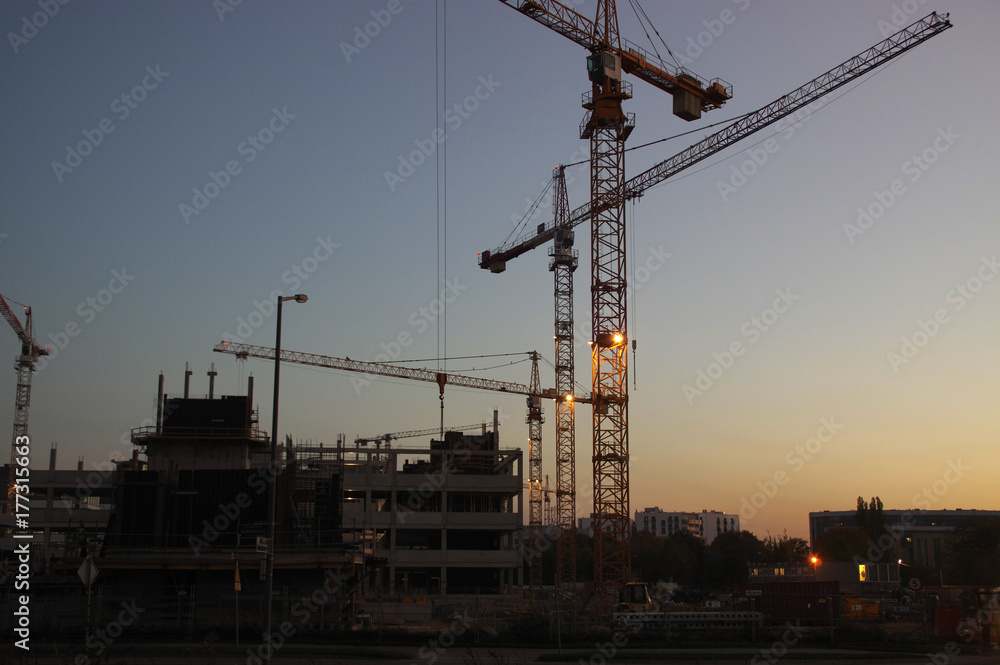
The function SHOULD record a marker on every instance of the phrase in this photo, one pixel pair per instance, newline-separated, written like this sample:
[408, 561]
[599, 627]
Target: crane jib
[859, 65]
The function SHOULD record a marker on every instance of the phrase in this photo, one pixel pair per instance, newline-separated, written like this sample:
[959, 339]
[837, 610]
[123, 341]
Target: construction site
[218, 524]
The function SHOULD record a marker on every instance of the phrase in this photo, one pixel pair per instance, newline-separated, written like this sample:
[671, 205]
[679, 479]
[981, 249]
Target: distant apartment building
[707, 524]
[918, 537]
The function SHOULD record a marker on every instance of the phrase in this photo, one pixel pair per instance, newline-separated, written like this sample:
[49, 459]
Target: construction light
[618, 338]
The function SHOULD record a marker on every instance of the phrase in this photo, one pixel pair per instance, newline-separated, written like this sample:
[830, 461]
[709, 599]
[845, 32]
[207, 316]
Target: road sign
[88, 571]
[753, 592]
[263, 545]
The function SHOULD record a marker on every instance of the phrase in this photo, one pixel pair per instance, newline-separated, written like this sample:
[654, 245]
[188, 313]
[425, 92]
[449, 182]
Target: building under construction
[440, 520]
[188, 516]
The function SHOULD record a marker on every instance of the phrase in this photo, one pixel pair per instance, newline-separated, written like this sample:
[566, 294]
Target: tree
[841, 543]
[728, 555]
[871, 517]
[683, 558]
[785, 549]
[973, 553]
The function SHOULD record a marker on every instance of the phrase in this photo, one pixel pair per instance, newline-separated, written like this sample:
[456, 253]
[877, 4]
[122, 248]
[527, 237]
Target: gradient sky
[919, 434]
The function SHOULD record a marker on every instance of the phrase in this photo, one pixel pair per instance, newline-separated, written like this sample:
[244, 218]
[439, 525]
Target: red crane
[30, 352]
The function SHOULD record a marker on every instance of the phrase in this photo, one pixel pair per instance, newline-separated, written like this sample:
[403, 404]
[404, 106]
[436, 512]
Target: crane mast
[564, 262]
[30, 352]
[607, 127]
[534, 421]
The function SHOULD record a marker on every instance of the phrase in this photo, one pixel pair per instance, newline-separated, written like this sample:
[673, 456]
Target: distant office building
[918, 537]
[706, 525]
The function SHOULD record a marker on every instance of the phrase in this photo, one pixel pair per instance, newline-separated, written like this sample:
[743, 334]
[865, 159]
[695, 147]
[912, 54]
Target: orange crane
[610, 387]
[533, 392]
[607, 127]
[30, 352]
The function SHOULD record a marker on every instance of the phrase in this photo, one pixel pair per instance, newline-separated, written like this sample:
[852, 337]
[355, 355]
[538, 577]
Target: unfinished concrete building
[445, 519]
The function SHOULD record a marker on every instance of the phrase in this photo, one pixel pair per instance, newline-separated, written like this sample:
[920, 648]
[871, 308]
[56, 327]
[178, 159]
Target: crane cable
[634, 290]
[688, 174]
[637, 9]
[668, 138]
[530, 212]
[441, 181]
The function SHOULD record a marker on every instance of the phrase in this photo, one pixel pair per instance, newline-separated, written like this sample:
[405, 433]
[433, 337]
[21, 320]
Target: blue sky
[290, 124]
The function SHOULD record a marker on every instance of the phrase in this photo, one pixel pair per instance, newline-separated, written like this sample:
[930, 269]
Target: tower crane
[607, 127]
[609, 198]
[30, 352]
[386, 438]
[533, 392]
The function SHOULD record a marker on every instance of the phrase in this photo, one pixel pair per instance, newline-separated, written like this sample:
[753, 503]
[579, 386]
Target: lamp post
[272, 493]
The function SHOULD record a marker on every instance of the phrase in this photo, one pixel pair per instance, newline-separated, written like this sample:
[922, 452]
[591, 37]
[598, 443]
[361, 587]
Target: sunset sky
[169, 167]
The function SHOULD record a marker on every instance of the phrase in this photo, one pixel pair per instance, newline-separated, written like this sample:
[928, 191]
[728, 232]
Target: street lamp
[272, 486]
